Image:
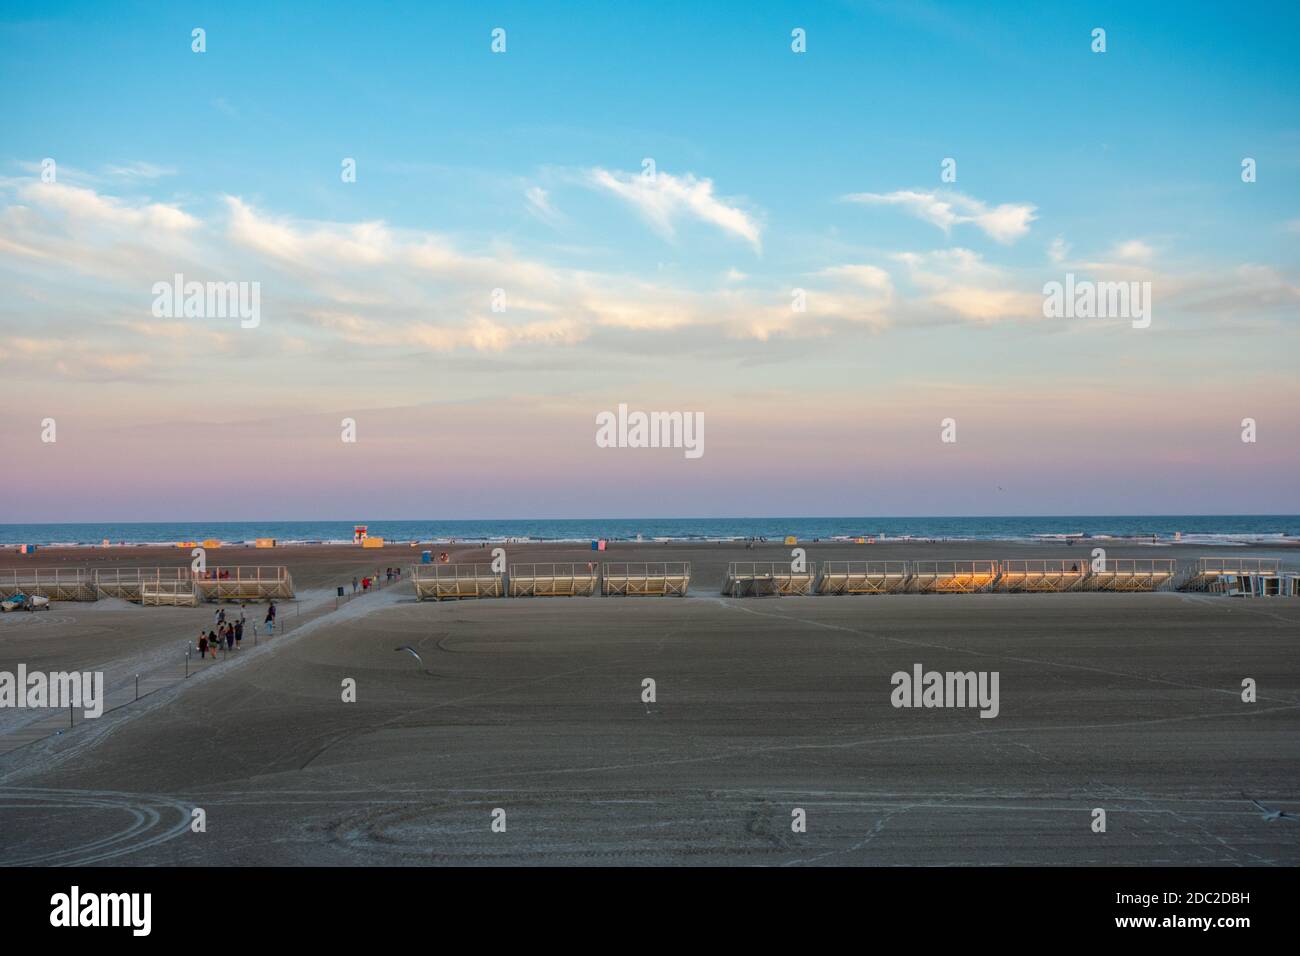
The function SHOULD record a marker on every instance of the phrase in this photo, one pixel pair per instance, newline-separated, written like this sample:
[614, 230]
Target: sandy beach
[324, 566]
[763, 706]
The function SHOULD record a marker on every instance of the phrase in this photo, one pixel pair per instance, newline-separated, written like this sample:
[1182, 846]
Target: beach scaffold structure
[445, 582]
[863, 577]
[245, 582]
[552, 580]
[953, 577]
[57, 584]
[648, 578]
[759, 578]
[1042, 575]
[1235, 576]
[1132, 574]
[165, 593]
[129, 584]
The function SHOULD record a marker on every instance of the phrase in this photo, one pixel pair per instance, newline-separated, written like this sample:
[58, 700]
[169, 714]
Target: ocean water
[1217, 529]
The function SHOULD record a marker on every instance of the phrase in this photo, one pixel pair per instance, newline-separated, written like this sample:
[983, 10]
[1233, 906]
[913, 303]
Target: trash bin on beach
[426, 557]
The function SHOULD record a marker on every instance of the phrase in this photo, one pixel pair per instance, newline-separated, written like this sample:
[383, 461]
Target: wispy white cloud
[1127, 259]
[86, 206]
[538, 202]
[58, 229]
[316, 246]
[1004, 223]
[1133, 250]
[960, 283]
[139, 170]
[663, 198]
[872, 278]
[382, 294]
[78, 360]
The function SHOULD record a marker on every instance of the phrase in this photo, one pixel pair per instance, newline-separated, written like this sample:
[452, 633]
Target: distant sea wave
[1159, 530]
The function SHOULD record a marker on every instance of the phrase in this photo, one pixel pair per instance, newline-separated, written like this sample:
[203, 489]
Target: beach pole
[137, 686]
[187, 663]
[72, 717]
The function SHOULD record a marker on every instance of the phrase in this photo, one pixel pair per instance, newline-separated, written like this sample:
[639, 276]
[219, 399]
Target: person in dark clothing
[212, 643]
[203, 645]
[239, 631]
[230, 637]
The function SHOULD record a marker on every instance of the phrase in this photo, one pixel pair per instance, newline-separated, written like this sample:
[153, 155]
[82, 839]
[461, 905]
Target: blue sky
[1133, 140]
[520, 170]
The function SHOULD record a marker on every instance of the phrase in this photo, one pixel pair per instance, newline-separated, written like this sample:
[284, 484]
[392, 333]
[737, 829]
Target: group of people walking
[366, 583]
[229, 633]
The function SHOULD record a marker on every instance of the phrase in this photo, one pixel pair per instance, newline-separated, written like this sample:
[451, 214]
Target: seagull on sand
[410, 650]
[1270, 815]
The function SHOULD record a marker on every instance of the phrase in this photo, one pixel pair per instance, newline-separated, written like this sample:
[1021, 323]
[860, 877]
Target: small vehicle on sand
[24, 602]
